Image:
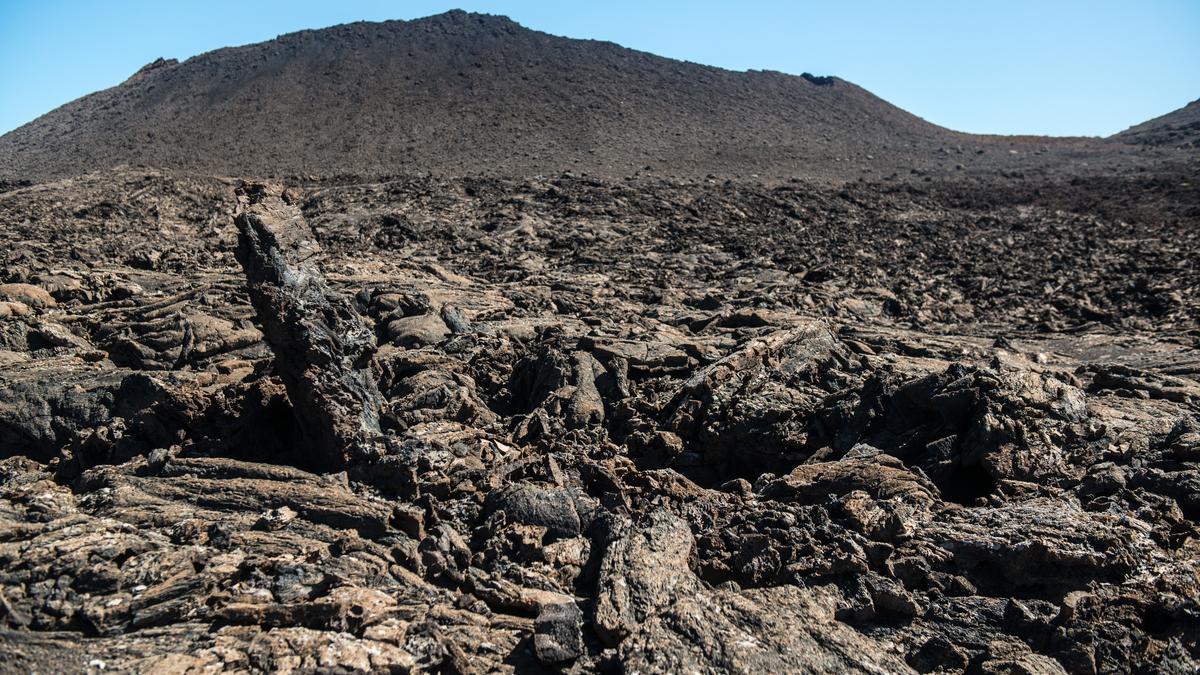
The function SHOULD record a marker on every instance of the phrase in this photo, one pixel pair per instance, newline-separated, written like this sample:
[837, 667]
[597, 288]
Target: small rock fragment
[558, 632]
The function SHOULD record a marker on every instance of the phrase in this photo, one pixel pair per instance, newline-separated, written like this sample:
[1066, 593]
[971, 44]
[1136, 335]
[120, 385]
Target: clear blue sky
[1086, 67]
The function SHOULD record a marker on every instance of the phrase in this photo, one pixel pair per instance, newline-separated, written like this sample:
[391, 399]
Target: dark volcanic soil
[466, 94]
[915, 401]
[1179, 129]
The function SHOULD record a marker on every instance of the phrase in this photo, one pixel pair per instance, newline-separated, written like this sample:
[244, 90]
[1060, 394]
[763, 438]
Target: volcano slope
[462, 94]
[577, 424]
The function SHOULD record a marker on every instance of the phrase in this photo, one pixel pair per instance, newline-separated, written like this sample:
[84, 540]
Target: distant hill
[462, 94]
[1180, 129]
[458, 93]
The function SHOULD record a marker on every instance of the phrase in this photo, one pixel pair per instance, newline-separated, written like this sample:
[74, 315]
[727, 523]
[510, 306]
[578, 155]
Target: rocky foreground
[480, 425]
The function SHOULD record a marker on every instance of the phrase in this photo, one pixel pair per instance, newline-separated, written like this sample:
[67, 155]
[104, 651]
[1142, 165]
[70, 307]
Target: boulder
[28, 294]
[417, 331]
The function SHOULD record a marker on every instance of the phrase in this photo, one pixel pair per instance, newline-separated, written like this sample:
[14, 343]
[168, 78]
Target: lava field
[450, 346]
[479, 424]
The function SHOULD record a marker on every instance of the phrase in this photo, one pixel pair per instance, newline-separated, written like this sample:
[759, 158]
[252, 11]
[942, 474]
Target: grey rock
[558, 632]
[322, 346]
[417, 331]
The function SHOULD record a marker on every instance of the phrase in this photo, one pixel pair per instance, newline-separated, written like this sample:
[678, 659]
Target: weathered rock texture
[322, 346]
[564, 424]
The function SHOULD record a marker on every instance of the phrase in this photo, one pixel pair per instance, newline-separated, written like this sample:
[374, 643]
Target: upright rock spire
[322, 346]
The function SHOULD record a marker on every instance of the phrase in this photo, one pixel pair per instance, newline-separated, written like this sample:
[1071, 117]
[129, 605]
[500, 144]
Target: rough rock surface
[322, 347]
[566, 424]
